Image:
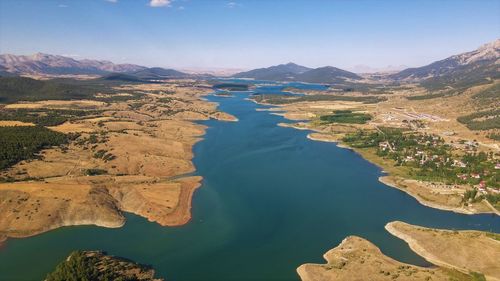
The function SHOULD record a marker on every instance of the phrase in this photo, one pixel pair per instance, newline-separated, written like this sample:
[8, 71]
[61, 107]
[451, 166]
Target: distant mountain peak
[487, 51]
[462, 70]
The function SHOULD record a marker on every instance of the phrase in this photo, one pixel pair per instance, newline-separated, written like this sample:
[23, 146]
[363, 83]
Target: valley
[169, 169]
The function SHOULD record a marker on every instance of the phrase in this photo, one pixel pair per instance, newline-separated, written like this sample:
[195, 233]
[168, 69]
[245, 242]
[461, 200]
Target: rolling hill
[156, 73]
[14, 89]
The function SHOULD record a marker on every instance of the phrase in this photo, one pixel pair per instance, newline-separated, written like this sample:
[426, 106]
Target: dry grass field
[356, 258]
[121, 161]
[466, 251]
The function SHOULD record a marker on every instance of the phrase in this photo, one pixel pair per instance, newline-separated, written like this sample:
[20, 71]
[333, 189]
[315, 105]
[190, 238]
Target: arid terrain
[130, 155]
[457, 255]
[466, 251]
[356, 259]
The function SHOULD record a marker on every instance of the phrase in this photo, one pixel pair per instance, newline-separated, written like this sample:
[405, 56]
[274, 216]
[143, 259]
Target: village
[429, 158]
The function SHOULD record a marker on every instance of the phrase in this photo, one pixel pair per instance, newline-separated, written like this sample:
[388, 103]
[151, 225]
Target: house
[497, 166]
[476, 176]
[458, 163]
[383, 145]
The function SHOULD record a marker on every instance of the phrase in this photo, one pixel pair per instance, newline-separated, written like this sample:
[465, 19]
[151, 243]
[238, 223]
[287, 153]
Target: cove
[271, 200]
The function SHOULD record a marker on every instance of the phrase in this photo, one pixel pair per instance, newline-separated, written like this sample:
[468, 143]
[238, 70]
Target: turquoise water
[271, 200]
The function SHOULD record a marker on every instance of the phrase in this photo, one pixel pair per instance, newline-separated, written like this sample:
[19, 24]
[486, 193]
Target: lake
[271, 200]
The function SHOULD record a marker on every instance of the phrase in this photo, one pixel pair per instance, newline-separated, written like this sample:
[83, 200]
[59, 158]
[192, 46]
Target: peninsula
[124, 148]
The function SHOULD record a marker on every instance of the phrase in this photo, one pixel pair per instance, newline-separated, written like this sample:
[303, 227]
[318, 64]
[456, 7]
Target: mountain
[327, 75]
[5, 73]
[475, 67]
[282, 72]
[158, 73]
[294, 72]
[58, 65]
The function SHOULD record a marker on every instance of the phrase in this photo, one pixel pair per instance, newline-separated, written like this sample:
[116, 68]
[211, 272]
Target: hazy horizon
[193, 34]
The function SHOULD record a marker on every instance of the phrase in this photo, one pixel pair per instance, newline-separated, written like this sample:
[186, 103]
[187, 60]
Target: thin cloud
[62, 6]
[232, 5]
[112, 1]
[160, 3]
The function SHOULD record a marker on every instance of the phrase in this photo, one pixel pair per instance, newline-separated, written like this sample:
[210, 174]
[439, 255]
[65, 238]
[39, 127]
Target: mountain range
[458, 71]
[45, 64]
[39, 64]
[475, 67]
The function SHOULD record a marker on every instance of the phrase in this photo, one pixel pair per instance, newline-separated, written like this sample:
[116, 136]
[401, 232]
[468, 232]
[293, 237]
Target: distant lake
[271, 200]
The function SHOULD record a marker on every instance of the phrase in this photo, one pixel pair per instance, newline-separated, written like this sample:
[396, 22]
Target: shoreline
[161, 192]
[415, 247]
[388, 179]
[355, 257]
[421, 250]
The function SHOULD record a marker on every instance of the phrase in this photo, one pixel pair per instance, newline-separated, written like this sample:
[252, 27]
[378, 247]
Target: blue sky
[247, 34]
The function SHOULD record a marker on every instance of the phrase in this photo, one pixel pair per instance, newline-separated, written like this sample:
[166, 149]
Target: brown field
[138, 146]
[466, 251]
[15, 123]
[57, 104]
[356, 258]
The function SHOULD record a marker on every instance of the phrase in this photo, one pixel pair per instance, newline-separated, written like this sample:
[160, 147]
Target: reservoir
[271, 200]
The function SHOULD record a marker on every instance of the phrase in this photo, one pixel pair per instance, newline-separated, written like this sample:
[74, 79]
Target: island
[96, 265]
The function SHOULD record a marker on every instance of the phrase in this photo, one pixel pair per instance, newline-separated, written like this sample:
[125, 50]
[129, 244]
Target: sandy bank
[436, 196]
[358, 259]
[466, 251]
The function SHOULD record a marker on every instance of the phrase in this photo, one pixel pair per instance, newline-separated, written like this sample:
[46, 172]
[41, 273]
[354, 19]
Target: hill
[154, 73]
[120, 77]
[13, 89]
[294, 72]
[282, 72]
[327, 75]
[95, 265]
[459, 71]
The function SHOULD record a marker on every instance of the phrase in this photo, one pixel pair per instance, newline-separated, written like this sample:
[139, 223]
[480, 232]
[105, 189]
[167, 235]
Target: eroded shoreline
[443, 198]
[143, 148]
